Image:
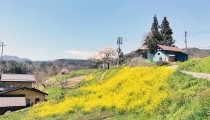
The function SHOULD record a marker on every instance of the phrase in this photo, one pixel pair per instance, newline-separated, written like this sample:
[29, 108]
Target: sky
[55, 29]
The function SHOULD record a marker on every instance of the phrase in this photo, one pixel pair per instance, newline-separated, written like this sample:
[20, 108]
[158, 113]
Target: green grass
[97, 76]
[196, 65]
[189, 99]
[55, 93]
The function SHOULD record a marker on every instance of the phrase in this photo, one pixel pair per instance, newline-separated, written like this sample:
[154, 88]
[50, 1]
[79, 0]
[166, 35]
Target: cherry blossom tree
[105, 56]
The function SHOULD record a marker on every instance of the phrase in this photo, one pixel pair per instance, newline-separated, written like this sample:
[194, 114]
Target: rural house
[164, 53]
[145, 53]
[16, 80]
[17, 91]
[64, 71]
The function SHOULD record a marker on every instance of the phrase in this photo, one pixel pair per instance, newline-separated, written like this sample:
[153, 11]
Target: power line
[199, 32]
[195, 33]
[191, 35]
[125, 39]
[129, 38]
[204, 47]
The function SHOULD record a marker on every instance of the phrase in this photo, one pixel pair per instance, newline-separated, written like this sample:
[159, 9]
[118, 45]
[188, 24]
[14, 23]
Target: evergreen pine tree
[154, 28]
[166, 33]
[153, 39]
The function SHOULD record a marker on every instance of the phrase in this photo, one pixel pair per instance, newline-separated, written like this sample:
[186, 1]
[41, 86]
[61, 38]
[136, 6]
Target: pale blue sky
[52, 29]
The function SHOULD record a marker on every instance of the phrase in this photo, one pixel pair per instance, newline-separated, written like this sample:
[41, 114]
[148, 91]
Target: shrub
[161, 63]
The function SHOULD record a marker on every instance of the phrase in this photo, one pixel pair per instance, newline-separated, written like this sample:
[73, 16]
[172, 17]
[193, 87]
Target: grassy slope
[189, 98]
[71, 74]
[196, 65]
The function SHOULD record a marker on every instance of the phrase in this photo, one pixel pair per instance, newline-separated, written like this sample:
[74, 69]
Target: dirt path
[174, 66]
[194, 74]
[72, 82]
[198, 75]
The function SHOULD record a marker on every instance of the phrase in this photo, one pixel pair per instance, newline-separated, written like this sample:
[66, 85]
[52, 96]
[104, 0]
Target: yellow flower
[130, 88]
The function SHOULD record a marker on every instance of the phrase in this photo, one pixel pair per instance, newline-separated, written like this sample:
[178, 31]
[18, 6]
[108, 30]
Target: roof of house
[12, 101]
[21, 87]
[170, 48]
[17, 78]
[64, 70]
[143, 47]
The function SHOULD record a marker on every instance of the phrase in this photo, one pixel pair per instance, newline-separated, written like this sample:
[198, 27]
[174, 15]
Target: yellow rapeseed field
[129, 89]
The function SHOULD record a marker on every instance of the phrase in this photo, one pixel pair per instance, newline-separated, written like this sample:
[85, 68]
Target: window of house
[27, 102]
[37, 100]
[11, 86]
[6, 86]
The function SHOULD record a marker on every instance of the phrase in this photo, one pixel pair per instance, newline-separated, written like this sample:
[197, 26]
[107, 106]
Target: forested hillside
[45, 69]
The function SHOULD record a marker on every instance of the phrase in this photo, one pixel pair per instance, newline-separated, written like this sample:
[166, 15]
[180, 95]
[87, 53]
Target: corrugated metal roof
[17, 77]
[170, 48]
[12, 101]
[21, 87]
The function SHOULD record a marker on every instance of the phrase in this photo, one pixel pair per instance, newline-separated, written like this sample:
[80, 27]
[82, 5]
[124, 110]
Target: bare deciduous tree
[40, 77]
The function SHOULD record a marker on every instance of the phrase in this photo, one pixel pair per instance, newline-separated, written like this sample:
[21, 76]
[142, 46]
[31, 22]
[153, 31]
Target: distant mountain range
[15, 58]
[198, 53]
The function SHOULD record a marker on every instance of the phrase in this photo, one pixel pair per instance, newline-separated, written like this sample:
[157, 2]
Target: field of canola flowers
[129, 89]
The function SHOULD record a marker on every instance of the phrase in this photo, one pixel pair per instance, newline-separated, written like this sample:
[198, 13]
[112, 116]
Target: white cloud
[41, 50]
[79, 54]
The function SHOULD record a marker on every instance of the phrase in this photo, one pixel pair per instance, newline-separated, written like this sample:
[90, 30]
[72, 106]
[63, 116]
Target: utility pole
[2, 50]
[185, 36]
[119, 42]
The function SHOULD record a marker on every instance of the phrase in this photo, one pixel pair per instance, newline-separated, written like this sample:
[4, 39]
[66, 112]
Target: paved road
[198, 75]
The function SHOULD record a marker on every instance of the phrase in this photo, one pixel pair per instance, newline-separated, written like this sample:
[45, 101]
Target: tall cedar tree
[153, 39]
[166, 33]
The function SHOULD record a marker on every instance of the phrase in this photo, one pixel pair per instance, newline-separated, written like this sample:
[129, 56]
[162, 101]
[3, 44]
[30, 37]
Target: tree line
[44, 69]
